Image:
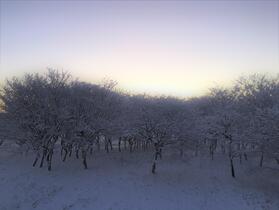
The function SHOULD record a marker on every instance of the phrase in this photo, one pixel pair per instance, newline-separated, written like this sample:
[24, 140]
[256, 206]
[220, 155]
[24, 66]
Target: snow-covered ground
[123, 181]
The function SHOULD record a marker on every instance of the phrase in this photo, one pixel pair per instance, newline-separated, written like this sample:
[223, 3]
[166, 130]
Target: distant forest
[55, 113]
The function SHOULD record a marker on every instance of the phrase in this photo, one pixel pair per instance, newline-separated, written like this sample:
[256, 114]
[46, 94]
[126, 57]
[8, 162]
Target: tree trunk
[43, 158]
[153, 167]
[261, 160]
[143, 145]
[125, 144]
[36, 159]
[181, 152]
[98, 144]
[232, 167]
[158, 153]
[84, 159]
[211, 152]
[110, 144]
[223, 149]
[119, 144]
[65, 155]
[77, 156]
[106, 146]
[131, 146]
[50, 159]
[245, 156]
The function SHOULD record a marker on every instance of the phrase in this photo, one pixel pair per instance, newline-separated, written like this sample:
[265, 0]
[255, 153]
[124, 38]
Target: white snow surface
[124, 181]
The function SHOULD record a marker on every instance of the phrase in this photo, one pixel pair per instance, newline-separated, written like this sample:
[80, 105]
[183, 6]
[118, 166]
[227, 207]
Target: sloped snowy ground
[123, 181]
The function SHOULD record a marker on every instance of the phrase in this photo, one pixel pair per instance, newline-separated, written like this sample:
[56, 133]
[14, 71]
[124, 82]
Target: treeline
[44, 112]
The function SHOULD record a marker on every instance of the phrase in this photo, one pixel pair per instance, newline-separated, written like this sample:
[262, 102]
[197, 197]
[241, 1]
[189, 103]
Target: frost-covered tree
[258, 101]
[35, 105]
[42, 112]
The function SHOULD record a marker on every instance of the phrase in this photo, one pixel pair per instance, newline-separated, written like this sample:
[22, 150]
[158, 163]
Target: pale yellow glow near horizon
[153, 73]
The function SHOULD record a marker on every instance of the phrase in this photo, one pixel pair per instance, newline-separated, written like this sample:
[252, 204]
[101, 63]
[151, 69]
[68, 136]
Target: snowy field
[122, 181]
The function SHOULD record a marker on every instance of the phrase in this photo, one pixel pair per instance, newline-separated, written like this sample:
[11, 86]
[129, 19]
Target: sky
[178, 48]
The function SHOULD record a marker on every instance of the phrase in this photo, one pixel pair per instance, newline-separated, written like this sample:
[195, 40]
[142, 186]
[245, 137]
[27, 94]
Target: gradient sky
[180, 48]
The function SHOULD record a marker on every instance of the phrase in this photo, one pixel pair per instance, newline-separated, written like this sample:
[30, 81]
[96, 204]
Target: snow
[124, 181]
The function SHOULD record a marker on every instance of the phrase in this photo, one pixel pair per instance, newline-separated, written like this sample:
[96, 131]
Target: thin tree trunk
[50, 159]
[65, 155]
[153, 167]
[158, 153]
[223, 149]
[119, 144]
[261, 160]
[245, 156]
[106, 146]
[232, 167]
[61, 152]
[98, 144]
[211, 152]
[84, 159]
[36, 160]
[43, 158]
[110, 143]
[131, 145]
[154, 162]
